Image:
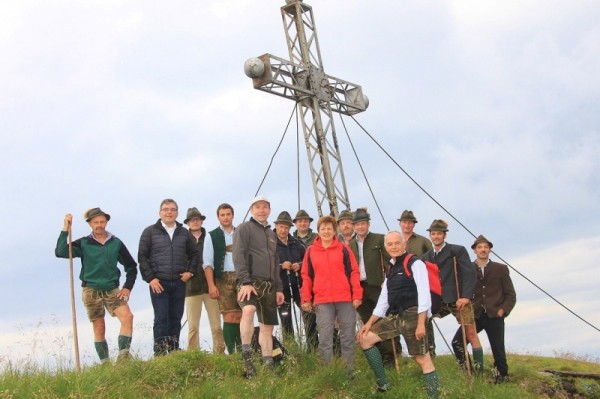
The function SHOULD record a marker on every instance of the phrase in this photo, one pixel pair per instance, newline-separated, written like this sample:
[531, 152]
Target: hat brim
[106, 215]
[309, 218]
[203, 218]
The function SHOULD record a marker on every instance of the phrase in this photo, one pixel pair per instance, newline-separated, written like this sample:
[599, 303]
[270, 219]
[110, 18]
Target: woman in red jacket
[331, 287]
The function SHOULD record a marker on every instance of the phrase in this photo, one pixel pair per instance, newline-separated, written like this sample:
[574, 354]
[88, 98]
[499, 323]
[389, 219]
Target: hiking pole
[293, 304]
[462, 321]
[73, 313]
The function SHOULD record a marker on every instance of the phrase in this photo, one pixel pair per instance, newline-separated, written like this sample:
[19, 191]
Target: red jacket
[330, 280]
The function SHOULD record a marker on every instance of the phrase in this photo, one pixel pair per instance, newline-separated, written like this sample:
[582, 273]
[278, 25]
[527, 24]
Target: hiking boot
[249, 369]
[124, 357]
[500, 379]
[384, 388]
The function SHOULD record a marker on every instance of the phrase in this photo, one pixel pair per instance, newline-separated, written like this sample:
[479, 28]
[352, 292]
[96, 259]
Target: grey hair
[395, 232]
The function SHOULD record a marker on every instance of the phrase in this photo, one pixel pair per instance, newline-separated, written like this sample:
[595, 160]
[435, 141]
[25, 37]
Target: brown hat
[481, 239]
[302, 214]
[284, 218]
[92, 213]
[193, 213]
[438, 225]
[361, 214]
[346, 214]
[408, 215]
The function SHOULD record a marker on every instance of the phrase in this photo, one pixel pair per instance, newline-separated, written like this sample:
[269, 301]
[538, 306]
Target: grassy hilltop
[193, 374]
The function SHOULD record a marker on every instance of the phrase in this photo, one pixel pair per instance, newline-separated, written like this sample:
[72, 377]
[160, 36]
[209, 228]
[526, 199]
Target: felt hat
[361, 214]
[346, 214]
[408, 216]
[302, 214]
[92, 213]
[284, 218]
[481, 239]
[258, 199]
[193, 213]
[438, 225]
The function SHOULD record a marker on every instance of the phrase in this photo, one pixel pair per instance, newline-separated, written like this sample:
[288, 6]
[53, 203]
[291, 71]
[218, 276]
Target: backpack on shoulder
[435, 284]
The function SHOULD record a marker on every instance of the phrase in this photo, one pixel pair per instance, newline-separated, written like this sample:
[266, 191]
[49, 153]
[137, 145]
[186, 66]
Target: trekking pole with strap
[462, 321]
[73, 313]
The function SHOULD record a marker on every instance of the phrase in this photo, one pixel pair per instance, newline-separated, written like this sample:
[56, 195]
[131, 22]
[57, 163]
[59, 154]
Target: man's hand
[185, 276]
[287, 265]
[124, 294]
[213, 292]
[280, 298]
[246, 292]
[296, 267]
[462, 302]
[364, 331]
[67, 222]
[156, 286]
[500, 312]
[420, 331]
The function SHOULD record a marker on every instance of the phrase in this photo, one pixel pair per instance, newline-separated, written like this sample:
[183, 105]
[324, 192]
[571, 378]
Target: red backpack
[435, 284]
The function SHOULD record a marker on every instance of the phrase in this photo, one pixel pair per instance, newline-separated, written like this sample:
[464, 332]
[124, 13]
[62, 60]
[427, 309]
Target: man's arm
[129, 265]
[240, 248]
[508, 291]
[144, 250]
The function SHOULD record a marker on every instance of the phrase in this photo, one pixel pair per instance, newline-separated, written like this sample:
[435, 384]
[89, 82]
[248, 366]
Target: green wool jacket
[375, 257]
[99, 262]
[418, 245]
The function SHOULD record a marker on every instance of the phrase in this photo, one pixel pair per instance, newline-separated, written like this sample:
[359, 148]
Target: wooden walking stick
[462, 322]
[73, 313]
[396, 363]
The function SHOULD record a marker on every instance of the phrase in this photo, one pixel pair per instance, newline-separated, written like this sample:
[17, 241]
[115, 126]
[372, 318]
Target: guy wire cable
[469, 231]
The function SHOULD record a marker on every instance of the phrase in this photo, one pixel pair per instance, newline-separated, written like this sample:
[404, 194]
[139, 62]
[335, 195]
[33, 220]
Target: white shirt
[419, 273]
[209, 252]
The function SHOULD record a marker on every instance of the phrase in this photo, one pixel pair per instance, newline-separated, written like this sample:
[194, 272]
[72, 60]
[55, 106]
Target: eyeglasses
[169, 210]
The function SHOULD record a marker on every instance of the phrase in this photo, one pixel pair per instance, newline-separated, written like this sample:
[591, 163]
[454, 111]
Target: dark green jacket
[418, 245]
[99, 262]
[375, 257]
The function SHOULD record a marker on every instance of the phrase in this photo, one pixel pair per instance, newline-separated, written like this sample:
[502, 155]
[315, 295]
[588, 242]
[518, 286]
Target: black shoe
[500, 379]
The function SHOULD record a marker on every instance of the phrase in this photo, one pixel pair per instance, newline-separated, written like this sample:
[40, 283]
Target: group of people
[332, 275]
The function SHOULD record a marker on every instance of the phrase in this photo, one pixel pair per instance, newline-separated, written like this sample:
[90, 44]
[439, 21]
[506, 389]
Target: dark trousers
[168, 310]
[494, 328]
[289, 313]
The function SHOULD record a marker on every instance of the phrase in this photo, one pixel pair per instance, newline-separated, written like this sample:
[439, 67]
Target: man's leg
[246, 331]
[214, 320]
[494, 329]
[160, 304]
[123, 313]
[193, 306]
[100, 343]
[231, 331]
[177, 305]
[368, 344]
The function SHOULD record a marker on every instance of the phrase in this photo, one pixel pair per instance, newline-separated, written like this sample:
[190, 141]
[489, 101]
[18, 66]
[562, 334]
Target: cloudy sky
[492, 107]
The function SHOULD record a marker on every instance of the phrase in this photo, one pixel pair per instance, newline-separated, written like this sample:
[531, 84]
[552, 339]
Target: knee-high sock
[478, 359]
[376, 362]
[101, 350]
[231, 336]
[124, 343]
[432, 384]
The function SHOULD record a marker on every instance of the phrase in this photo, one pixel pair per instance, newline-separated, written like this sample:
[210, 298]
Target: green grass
[196, 374]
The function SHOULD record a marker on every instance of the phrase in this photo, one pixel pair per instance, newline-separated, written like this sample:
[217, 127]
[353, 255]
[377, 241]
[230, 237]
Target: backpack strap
[409, 258]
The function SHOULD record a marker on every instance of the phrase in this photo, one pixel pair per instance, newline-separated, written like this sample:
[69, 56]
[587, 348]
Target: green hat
[438, 225]
[361, 214]
[302, 214]
[481, 239]
[408, 216]
[92, 213]
[284, 218]
[346, 214]
[193, 213]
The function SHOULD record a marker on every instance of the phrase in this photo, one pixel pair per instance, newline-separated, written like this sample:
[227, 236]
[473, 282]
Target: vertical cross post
[317, 95]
